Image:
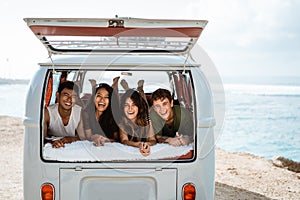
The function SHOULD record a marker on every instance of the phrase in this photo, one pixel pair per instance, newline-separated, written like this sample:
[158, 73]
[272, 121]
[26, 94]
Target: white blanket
[86, 151]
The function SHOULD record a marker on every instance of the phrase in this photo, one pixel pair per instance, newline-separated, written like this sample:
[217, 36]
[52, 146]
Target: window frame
[183, 159]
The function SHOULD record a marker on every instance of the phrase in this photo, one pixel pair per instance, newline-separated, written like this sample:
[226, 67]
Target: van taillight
[189, 192]
[47, 191]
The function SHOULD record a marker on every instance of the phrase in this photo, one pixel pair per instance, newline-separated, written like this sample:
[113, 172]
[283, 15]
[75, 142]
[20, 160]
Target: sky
[243, 37]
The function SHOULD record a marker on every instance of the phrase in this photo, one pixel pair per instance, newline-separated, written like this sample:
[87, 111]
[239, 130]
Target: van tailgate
[116, 184]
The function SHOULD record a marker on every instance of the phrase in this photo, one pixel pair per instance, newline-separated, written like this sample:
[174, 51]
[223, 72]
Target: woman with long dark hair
[100, 117]
[135, 127]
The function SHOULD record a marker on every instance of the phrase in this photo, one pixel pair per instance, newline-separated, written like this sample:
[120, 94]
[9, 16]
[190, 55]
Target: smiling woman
[100, 124]
[135, 127]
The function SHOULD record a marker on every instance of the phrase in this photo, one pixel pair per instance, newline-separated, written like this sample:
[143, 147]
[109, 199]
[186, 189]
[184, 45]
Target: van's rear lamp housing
[47, 191]
[189, 192]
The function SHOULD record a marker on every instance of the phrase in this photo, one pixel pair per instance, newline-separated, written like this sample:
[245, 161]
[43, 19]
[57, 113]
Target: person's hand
[176, 141]
[145, 149]
[173, 141]
[68, 139]
[184, 140]
[61, 142]
[58, 144]
[99, 140]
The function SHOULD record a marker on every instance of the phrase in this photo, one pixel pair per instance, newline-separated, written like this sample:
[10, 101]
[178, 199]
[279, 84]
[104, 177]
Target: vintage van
[157, 51]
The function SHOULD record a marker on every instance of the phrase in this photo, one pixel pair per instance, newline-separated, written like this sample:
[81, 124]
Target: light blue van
[157, 51]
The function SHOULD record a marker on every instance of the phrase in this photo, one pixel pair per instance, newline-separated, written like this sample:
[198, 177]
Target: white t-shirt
[56, 126]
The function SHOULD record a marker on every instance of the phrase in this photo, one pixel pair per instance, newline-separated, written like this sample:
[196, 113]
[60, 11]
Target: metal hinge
[116, 23]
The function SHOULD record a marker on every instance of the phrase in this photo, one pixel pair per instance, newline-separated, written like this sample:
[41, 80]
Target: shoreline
[238, 175]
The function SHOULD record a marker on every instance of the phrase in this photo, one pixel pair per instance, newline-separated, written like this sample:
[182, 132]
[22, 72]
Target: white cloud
[243, 22]
[245, 36]
[236, 28]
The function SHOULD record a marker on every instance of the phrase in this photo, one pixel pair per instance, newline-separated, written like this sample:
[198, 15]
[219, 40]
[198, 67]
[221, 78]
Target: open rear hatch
[115, 184]
[88, 35]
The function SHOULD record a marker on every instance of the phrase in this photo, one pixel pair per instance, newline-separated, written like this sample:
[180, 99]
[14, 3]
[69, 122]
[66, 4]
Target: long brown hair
[138, 129]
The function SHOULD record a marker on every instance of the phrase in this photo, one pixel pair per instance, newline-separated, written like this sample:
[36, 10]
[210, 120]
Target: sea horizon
[285, 80]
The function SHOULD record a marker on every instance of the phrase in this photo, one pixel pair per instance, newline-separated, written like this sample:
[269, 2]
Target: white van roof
[117, 35]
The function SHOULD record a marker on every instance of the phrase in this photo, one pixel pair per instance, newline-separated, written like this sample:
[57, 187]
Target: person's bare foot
[140, 85]
[115, 82]
[124, 84]
[93, 82]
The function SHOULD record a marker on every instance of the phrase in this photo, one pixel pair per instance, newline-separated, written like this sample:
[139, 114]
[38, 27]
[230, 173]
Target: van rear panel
[115, 184]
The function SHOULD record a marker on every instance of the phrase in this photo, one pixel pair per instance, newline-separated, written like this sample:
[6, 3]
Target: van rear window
[118, 116]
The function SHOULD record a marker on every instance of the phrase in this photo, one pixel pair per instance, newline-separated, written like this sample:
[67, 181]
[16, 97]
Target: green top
[183, 123]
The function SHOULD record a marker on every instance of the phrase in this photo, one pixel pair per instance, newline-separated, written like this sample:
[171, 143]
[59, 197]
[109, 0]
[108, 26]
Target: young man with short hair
[63, 119]
[171, 123]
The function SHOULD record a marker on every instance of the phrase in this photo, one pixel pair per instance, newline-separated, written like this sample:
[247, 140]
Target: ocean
[261, 118]
[12, 99]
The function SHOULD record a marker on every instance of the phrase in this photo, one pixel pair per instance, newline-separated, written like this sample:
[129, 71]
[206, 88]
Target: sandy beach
[238, 175]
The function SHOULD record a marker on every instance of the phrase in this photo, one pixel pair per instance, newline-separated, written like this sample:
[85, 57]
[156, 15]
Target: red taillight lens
[189, 192]
[47, 191]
